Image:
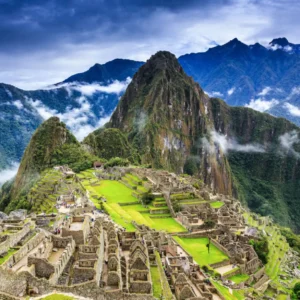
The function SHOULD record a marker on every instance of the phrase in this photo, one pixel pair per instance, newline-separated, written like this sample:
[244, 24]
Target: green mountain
[239, 151]
[52, 144]
[109, 143]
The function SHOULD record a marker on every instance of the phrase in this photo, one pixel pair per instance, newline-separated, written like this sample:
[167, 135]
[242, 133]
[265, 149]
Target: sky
[45, 41]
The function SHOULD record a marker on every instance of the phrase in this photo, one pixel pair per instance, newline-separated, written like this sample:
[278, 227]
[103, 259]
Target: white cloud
[231, 91]
[288, 48]
[18, 104]
[9, 173]
[265, 91]
[261, 105]
[115, 87]
[292, 109]
[226, 144]
[44, 111]
[287, 142]
[78, 119]
[215, 94]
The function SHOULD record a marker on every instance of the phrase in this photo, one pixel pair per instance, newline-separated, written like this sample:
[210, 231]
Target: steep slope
[165, 114]
[109, 143]
[174, 124]
[51, 144]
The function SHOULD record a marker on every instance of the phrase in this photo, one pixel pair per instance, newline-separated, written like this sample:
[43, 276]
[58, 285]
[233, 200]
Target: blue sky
[44, 42]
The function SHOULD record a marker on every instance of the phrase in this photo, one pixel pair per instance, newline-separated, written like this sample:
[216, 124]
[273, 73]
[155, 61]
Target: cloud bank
[261, 104]
[288, 141]
[8, 173]
[227, 144]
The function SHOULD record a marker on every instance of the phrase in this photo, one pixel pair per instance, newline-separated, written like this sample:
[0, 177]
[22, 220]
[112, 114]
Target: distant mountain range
[263, 78]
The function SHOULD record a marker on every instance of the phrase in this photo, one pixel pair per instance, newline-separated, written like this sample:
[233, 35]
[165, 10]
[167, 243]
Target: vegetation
[197, 248]
[166, 291]
[292, 238]
[117, 162]
[261, 248]
[296, 291]
[157, 288]
[58, 297]
[116, 194]
[109, 143]
[10, 252]
[239, 278]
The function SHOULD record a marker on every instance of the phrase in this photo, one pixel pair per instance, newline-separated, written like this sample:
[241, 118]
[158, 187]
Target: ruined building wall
[14, 239]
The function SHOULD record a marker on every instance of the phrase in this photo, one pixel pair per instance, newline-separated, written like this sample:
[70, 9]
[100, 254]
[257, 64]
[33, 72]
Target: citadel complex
[164, 236]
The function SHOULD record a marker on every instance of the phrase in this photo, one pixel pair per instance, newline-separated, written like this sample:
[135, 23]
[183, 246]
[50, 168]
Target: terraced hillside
[122, 200]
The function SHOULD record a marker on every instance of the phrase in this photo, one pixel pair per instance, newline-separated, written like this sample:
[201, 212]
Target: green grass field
[116, 192]
[58, 297]
[10, 252]
[239, 278]
[196, 247]
[157, 288]
[216, 204]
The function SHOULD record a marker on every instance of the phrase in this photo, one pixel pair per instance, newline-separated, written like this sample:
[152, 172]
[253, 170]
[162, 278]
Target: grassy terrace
[157, 288]
[196, 247]
[217, 204]
[117, 193]
[278, 248]
[239, 278]
[57, 297]
[10, 252]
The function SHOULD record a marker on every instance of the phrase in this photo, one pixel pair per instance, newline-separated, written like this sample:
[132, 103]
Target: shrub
[209, 223]
[147, 198]
[117, 161]
[261, 248]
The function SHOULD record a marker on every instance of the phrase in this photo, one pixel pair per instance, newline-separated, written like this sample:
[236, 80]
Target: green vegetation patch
[239, 278]
[157, 288]
[10, 252]
[116, 192]
[216, 204]
[58, 297]
[196, 247]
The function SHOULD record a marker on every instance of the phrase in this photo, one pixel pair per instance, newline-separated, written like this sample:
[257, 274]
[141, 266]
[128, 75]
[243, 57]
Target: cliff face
[166, 115]
[176, 126]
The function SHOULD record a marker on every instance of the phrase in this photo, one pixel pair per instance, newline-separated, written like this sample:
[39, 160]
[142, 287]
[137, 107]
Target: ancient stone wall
[63, 260]
[30, 245]
[13, 239]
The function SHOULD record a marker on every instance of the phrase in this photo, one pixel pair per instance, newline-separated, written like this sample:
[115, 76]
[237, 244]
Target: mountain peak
[163, 60]
[234, 42]
[282, 41]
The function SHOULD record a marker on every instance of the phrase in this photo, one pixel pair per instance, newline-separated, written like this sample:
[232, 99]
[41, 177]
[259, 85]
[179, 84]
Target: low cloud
[78, 119]
[287, 142]
[261, 104]
[8, 173]
[265, 91]
[227, 144]
[292, 109]
[115, 87]
[215, 94]
[231, 91]
[18, 104]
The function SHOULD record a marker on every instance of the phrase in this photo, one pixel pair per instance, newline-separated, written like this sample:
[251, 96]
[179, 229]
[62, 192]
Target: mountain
[108, 143]
[83, 102]
[52, 144]
[117, 69]
[284, 44]
[254, 75]
[174, 125]
[263, 78]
